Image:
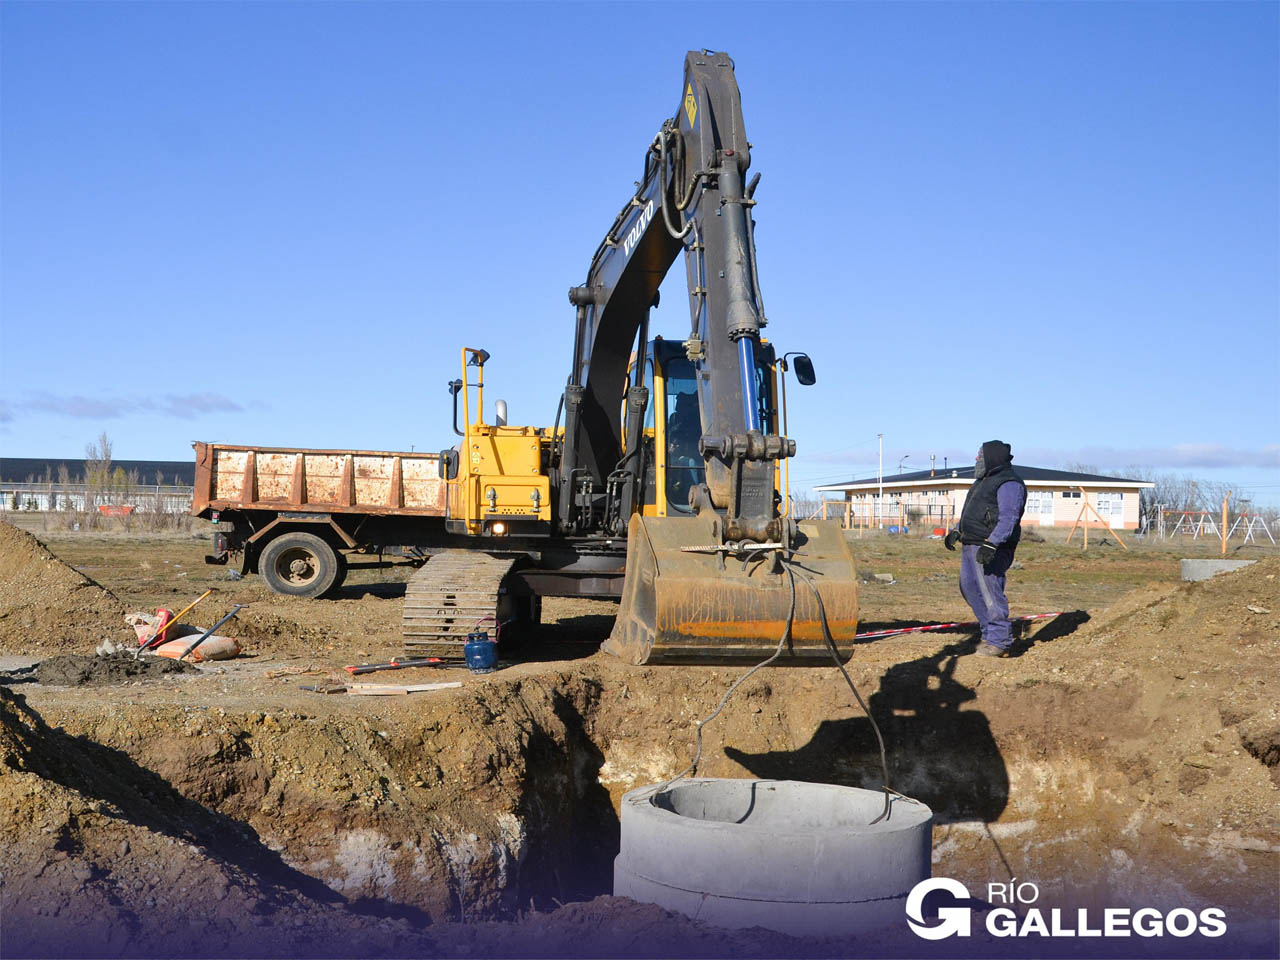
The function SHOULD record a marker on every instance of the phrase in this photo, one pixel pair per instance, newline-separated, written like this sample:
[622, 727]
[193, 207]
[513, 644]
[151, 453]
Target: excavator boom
[726, 575]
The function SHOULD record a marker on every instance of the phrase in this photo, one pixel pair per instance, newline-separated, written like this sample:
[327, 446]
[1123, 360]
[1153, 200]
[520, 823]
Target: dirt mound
[46, 606]
[102, 858]
[1216, 616]
[77, 670]
[268, 632]
[1216, 640]
[1226, 630]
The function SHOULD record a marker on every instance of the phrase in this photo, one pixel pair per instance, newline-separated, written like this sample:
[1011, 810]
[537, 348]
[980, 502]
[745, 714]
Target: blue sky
[1055, 224]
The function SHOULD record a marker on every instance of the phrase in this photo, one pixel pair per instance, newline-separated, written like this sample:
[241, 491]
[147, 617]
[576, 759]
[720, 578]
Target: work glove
[950, 541]
[986, 552]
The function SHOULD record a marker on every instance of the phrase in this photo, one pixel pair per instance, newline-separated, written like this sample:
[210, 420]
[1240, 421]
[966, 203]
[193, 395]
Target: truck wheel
[301, 565]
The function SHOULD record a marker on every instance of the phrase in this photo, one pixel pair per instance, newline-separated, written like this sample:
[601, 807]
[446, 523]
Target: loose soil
[76, 670]
[1127, 756]
[45, 605]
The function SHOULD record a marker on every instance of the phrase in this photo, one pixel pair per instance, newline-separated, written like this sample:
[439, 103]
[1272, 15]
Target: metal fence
[77, 497]
[892, 512]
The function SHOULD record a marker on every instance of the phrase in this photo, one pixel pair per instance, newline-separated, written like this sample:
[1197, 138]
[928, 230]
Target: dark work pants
[983, 589]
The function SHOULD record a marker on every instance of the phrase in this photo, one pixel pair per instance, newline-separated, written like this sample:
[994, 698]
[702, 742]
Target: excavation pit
[809, 859]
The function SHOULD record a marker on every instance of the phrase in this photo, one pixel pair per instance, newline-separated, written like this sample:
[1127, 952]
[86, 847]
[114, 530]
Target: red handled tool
[394, 665]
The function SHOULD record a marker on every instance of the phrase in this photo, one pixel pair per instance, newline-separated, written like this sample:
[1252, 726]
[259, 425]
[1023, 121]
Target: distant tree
[1075, 466]
[1171, 491]
[97, 471]
[97, 477]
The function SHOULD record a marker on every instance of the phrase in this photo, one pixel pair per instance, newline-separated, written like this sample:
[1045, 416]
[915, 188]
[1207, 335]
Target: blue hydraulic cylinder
[747, 370]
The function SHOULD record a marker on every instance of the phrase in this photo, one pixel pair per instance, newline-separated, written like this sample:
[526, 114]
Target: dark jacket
[981, 512]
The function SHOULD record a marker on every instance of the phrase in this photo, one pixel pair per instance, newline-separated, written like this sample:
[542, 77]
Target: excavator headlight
[498, 528]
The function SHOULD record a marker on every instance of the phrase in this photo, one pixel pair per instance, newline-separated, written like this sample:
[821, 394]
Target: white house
[936, 498]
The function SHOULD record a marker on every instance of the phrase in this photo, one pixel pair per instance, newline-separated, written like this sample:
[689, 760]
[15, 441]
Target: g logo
[953, 921]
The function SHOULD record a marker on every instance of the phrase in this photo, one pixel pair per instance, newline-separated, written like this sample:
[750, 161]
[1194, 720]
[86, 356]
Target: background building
[936, 498]
[29, 483]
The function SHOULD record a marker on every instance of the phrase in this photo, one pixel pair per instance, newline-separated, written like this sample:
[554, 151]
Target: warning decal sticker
[690, 104]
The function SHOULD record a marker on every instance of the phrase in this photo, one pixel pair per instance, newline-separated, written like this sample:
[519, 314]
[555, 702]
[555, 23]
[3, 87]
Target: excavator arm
[693, 199]
[721, 583]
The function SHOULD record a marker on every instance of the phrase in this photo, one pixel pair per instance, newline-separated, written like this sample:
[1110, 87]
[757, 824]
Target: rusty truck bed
[377, 482]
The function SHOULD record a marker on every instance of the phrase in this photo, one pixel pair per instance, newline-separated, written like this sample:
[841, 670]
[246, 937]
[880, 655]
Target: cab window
[685, 466]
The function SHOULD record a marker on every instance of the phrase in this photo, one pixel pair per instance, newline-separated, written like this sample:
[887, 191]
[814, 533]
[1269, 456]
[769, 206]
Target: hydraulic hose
[835, 656]
[662, 192]
[751, 246]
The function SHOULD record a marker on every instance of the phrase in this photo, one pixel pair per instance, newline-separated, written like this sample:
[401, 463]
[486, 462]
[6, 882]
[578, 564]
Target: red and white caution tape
[957, 626]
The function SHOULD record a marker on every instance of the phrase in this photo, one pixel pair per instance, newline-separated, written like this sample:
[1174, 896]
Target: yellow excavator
[663, 480]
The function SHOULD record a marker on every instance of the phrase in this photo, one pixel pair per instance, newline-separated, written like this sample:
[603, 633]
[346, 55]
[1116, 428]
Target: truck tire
[301, 565]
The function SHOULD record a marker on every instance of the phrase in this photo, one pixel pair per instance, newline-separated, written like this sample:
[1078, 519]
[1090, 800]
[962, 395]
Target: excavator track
[448, 597]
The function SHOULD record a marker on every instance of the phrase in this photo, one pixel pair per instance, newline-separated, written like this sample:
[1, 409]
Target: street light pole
[880, 476]
[905, 456]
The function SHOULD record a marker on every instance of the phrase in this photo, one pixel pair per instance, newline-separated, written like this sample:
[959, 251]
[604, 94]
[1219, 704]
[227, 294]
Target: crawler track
[449, 596]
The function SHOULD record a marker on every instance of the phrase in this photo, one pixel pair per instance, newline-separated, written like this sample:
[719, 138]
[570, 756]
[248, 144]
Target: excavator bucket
[682, 606]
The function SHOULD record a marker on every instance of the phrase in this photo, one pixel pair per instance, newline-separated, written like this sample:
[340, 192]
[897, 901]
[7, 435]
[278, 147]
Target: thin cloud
[1179, 456]
[188, 406]
[6, 413]
[77, 406]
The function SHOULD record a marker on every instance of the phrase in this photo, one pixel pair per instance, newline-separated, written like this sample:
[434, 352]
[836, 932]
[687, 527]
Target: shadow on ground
[936, 751]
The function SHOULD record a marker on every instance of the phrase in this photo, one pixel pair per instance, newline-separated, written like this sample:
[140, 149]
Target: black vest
[982, 510]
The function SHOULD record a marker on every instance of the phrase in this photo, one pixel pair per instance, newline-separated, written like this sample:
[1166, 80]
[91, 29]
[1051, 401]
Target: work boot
[991, 650]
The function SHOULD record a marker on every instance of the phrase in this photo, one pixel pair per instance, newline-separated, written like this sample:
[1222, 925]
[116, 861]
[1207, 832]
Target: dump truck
[301, 518]
[662, 481]
[295, 515]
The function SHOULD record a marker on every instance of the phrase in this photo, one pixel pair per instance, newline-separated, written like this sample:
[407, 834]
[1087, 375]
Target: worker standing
[989, 529]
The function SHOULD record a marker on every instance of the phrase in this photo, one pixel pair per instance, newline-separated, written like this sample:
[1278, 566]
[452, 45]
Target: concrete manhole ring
[802, 858]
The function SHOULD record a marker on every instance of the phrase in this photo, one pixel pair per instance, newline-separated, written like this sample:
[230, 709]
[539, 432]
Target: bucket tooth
[707, 608]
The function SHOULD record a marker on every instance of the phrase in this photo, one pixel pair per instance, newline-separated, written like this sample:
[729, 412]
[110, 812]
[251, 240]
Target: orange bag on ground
[215, 648]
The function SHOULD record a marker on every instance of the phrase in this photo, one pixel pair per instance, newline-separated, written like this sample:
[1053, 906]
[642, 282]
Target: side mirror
[478, 359]
[803, 367]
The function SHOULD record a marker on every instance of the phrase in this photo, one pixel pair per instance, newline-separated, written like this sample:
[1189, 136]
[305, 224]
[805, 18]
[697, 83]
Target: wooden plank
[397, 689]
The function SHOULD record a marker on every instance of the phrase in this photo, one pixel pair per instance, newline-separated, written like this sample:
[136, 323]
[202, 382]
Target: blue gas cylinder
[481, 652]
